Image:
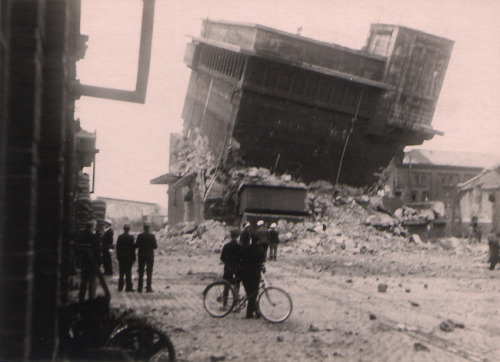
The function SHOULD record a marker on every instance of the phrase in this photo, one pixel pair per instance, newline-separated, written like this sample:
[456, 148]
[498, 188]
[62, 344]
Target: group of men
[96, 250]
[244, 259]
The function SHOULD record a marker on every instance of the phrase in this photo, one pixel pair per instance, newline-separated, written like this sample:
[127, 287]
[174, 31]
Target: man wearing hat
[245, 235]
[229, 256]
[494, 249]
[263, 234]
[251, 259]
[146, 245]
[90, 257]
[274, 240]
[125, 253]
[107, 245]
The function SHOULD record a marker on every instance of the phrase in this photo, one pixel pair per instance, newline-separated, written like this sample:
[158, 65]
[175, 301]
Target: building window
[468, 176]
[223, 61]
[421, 179]
[380, 44]
[426, 196]
[449, 180]
[414, 196]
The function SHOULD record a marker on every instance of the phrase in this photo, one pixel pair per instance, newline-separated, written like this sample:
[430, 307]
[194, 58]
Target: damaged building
[260, 97]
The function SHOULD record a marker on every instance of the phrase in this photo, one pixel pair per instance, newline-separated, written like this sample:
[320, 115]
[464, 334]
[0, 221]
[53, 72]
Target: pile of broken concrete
[343, 219]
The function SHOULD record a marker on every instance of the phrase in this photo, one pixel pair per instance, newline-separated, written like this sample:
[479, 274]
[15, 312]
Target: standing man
[90, 258]
[146, 245]
[245, 235]
[107, 246]
[229, 256]
[274, 240]
[263, 234]
[125, 253]
[494, 249]
[252, 259]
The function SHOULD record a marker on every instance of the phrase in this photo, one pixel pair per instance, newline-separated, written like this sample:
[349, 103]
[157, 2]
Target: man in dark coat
[90, 257]
[494, 247]
[107, 246]
[125, 254]
[146, 245]
[251, 260]
[229, 256]
[245, 235]
[263, 234]
[274, 240]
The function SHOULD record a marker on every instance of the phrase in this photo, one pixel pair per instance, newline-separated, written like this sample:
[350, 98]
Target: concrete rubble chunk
[415, 238]
[380, 220]
[313, 328]
[382, 287]
[447, 326]
[421, 347]
[449, 243]
[217, 358]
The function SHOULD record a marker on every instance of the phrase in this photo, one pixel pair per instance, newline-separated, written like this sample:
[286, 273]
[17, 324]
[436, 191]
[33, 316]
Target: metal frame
[139, 94]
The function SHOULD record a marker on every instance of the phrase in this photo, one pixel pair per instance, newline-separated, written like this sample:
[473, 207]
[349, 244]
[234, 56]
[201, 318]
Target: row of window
[446, 180]
[318, 88]
[223, 61]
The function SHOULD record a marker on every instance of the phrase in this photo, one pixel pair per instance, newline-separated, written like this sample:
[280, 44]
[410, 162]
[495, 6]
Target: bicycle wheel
[275, 305]
[219, 299]
[141, 341]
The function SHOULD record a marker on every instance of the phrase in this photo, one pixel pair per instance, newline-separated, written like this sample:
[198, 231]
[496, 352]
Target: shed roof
[486, 180]
[450, 158]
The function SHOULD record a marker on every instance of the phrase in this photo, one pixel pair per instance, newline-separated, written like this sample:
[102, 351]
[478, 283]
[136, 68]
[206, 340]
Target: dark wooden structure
[293, 104]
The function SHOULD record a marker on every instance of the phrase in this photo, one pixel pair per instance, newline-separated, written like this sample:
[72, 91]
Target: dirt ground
[339, 314]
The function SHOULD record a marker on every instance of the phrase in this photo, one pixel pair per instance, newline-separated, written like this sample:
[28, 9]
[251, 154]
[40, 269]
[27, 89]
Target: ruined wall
[37, 66]
[415, 67]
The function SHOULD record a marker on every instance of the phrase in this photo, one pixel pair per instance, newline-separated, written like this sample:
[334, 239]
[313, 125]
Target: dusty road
[339, 314]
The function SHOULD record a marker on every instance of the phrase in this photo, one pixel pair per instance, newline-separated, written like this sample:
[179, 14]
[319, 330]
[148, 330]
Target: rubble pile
[193, 156]
[343, 218]
[209, 235]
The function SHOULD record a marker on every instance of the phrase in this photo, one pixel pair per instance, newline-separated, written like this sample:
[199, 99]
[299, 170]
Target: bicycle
[274, 304]
[91, 330]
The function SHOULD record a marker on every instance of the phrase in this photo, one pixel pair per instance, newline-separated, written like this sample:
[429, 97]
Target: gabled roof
[486, 180]
[450, 158]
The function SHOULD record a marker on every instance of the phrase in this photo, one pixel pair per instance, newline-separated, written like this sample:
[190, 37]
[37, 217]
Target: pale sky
[133, 139]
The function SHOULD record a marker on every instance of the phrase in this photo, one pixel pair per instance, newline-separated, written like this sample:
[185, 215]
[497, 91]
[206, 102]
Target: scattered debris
[217, 358]
[447, 326]
[372, 317]
[421, 347]
[280, 339]
[313, 328]
[382, 287]
[415, 304]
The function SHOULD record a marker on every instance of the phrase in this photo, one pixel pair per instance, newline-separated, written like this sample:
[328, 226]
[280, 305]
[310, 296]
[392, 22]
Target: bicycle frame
[240, 302]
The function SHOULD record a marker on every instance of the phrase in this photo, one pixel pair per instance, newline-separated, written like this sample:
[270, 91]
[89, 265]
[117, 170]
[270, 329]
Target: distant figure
[107, 246]
[274, 240]
[125, 254]
[245, 235]
[493, 245]
[146, 245]
[474, 230]
[90, 260]
[263, 234]
[252, 259]
[229, 256]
